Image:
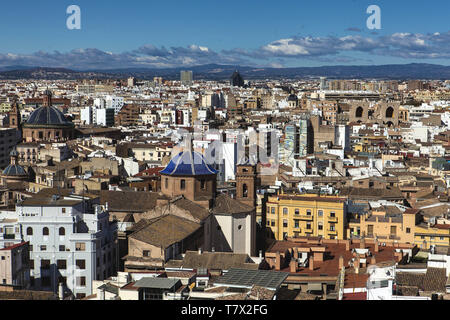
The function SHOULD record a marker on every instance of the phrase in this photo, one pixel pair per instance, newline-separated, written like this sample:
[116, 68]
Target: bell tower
[246, 184]
[47, 98]
[14, 115]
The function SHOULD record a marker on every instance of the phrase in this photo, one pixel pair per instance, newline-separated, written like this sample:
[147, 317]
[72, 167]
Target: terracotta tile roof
[217, 260]
[435, 280]
[355, 296]
[224, 204]
[165, 230]
[129, 201]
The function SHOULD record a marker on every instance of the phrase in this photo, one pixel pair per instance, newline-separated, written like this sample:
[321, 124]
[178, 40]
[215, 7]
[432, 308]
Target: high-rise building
[237, 80]
[323, 83]
[186, 77]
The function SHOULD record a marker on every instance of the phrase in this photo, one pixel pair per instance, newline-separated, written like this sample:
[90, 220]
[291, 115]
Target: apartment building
[71, 242]
[306, 215]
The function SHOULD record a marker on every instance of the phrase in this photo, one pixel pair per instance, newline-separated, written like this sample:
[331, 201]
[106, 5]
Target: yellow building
[378, 224]
[426, 235]
[306, 215]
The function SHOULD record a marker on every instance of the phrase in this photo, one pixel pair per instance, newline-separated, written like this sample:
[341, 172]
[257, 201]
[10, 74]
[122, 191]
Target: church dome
[14, 170]
[188, 163]
[48, 116]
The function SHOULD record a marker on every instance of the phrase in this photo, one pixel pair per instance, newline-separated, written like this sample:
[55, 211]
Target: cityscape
[302, 170]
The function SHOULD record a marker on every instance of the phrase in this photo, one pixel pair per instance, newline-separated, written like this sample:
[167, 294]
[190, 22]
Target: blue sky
[261, 33]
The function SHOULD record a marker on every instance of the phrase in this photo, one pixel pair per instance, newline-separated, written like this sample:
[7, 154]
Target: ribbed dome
[48, 116]
[188, 164]
[14, 170]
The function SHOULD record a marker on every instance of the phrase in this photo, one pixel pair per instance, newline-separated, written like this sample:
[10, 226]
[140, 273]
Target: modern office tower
[186, 77]
[323, 83]
[237, 80]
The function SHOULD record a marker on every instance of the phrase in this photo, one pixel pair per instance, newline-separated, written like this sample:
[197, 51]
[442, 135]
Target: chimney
[278, 261]
[61, 291]
[102, 294]
[341, 262]
[311, 264]
[295, 253]
[362, 244]
[293, 266]
[356, 264]
[376, 246]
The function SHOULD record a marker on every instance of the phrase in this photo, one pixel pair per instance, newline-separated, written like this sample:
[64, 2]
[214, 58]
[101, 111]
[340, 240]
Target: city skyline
[261, 34]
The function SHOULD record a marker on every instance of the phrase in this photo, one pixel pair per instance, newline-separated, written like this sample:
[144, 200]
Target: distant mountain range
[223, 72]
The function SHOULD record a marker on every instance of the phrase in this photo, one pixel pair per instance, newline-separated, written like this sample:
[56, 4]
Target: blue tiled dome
[188, 164]
[14, 170]
[47, 116]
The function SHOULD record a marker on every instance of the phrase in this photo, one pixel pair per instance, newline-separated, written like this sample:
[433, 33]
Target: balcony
[332, 231]
[9, 236]
[330, 218]
[304, 217]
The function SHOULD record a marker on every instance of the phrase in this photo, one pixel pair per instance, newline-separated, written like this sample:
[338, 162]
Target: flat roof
[242, 278]
[156, 283]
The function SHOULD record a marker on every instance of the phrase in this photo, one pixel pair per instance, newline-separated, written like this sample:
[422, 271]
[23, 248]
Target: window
[146, 253]
[408, 230]
[332, 227]
[441, 238]
[273, 223]
[319, 213]
[62, 264]
[296, 224]
[30, 247]
[244, 191]
[308, 226]
[81, 281]
[81, 264]
[62, 248]
[80, 246]
[62, 231]
[43, 248]
[182, 184]
[308, 212]
[297, 211]
[332, 214]
[29, 231]
[45, 264]
[45, 231]
[320, 226]
[285, 223]
[202, 184]
[272, 210]
[285, 210]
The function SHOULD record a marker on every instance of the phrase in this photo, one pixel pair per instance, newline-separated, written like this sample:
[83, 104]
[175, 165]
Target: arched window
[244, 191]
[29, 231]
[389, 112]
[359, 112]
[45, 231]
[62, 231]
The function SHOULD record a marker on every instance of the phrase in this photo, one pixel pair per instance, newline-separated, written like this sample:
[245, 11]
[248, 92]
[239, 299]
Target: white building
[71, 242]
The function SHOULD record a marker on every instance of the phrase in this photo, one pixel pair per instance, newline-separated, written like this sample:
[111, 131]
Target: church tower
[246, 184]
[14, 115]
